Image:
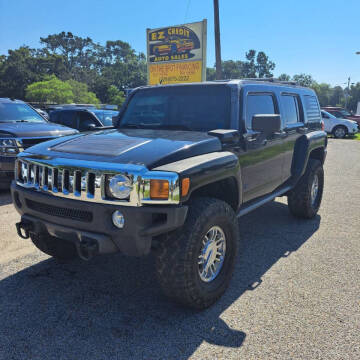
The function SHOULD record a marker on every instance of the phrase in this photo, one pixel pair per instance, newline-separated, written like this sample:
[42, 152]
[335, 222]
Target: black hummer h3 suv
[21, 127]
[181, 165]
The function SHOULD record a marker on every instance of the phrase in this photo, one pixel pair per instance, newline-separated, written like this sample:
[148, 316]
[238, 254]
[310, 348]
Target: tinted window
[68, 118]
[85, 121]
[18, 112]
[291, 109]
[198, 108]
[312, 108]
[258, 104]
[106, 116]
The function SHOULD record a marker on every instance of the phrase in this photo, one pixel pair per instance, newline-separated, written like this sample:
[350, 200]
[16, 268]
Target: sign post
[176, 54]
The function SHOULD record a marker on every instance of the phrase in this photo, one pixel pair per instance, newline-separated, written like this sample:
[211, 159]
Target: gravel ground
[295, 293]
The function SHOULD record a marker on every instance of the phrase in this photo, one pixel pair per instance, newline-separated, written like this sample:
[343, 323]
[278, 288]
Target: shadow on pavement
[5, 197]
[112, 307]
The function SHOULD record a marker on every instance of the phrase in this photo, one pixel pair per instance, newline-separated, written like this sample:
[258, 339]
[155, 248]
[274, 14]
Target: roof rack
[275, 80]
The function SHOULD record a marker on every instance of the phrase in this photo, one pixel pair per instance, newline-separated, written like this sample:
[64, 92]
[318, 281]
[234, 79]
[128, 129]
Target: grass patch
[357, 136]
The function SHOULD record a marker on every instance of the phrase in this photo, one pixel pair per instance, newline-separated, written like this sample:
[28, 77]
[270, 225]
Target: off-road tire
[58, 248]
[337, 127]
[177, 255]
[299, 199]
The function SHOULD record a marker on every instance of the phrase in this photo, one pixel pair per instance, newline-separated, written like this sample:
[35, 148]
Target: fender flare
[206, 169]
[304, 146]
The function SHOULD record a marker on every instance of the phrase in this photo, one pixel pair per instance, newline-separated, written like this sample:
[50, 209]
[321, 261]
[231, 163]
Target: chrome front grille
[88, 181]
[76, 183]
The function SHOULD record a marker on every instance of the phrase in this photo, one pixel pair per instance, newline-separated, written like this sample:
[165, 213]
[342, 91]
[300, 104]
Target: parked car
[184, 162]
[21, 127]
[341, 113]
[83, 119]
[337, 126]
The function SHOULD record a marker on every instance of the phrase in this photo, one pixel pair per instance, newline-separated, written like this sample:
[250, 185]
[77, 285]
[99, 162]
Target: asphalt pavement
[295, 293]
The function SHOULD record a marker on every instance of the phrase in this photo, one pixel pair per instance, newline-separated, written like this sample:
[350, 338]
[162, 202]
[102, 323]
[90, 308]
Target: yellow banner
[177, 72]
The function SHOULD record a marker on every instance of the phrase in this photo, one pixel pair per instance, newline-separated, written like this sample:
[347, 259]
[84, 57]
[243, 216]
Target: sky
[316, 37]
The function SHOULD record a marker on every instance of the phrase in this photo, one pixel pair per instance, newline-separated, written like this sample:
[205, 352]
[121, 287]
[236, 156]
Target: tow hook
[23, 228]
[87, 248]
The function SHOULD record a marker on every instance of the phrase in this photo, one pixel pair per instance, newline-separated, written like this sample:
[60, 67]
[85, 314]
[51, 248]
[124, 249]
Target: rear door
[262, 162]
[292, 112]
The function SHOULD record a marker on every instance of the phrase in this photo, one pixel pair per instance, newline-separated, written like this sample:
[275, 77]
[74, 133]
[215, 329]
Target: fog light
[118, 219]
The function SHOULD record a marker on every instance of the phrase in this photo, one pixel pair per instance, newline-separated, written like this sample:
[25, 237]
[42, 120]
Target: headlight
[8, 147]
[120, 186]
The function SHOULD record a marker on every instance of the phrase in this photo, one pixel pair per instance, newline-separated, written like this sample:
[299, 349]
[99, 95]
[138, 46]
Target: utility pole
[217, 40]
[347, 93]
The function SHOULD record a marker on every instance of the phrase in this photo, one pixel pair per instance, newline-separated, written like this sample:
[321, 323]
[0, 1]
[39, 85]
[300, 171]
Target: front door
[262, 162]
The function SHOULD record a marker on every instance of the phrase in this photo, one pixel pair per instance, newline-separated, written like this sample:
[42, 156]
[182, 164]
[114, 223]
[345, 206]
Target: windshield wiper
[21, 120]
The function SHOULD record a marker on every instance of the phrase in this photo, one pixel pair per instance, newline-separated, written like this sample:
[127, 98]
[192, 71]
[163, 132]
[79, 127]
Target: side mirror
[91, 127]
[226, 137]
[266, 123]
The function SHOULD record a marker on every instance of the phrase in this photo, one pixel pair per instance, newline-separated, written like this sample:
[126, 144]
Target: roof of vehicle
[239, 82]
[8, 100]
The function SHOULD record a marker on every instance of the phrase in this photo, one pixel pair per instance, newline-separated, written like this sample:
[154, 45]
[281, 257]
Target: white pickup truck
[337, 126]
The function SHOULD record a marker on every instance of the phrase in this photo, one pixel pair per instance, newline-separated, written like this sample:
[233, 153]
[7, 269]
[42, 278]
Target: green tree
[115, 96]
[81, 95]
[284, 77]
[256, 65]
[304, 80]
[323, 92]
[354, 97]
[51, 90]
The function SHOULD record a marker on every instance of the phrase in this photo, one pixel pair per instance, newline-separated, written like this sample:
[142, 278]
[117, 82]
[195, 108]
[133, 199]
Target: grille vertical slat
[28, 173]
[65, 182]
[77, 183]
[90, 185]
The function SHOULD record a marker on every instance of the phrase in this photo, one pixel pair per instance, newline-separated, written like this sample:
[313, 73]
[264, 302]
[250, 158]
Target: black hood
[151, 148]
[34, 129]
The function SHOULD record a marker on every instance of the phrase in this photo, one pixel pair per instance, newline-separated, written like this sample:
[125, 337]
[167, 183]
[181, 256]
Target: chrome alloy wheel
[212, 254]
[314, 190]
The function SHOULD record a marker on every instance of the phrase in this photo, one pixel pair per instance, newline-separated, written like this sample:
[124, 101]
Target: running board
[267, 198]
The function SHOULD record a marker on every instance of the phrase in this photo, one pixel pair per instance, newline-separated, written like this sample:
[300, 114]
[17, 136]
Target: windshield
[196, 108]
[105, 116]
[18, 112]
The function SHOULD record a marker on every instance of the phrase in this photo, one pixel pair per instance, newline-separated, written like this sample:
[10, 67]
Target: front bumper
[7, 165]
[77, 220]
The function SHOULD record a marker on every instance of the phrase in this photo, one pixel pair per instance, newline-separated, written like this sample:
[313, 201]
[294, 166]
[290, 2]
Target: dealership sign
[176, 54]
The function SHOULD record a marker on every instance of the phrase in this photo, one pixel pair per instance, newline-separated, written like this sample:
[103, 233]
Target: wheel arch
[312, 145]
[216, 175]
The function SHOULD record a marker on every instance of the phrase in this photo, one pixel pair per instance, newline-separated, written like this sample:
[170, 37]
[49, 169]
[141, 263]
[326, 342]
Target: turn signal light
[159, 189]
[185, 185]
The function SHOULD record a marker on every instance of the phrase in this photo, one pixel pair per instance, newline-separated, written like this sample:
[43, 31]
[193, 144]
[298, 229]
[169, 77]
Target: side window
[312, 108]
[291, 108]
[258, 104]
[85, 121]
[68, 118]
[324, 116]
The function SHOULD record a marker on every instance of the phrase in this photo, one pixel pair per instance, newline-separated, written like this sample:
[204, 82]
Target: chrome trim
[87, 180]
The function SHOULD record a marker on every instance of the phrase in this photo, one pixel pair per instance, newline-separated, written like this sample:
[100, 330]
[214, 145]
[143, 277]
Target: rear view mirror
[266, 123]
